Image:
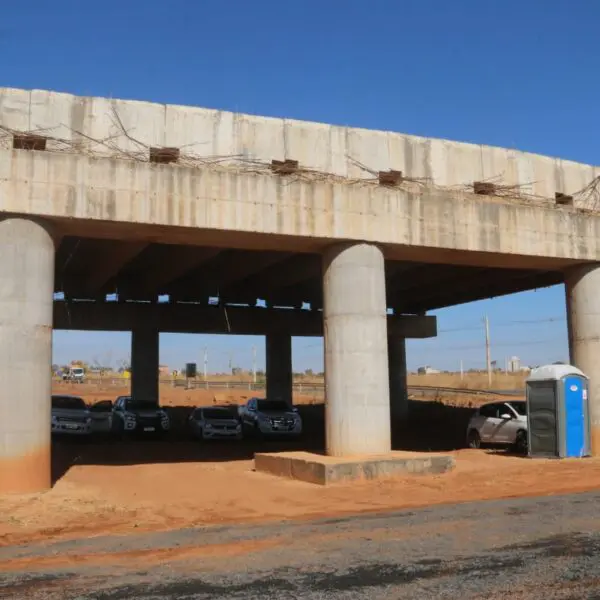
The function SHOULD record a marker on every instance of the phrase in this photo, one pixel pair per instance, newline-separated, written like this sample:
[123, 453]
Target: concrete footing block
[327, 470]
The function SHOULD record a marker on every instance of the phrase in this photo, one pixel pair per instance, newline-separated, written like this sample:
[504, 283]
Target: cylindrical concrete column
[279, 366]
[26, 296]
[583, 310]
[144, 364]
[357, 403]
[398, 383]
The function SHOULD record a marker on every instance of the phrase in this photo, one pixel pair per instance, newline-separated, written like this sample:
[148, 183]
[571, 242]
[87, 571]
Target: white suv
[499, 423]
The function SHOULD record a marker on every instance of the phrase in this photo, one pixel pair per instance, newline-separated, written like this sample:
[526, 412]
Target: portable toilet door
[576, 416]
[558, 421]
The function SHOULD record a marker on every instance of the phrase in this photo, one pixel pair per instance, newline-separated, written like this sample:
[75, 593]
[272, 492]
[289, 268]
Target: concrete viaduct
[339, 225]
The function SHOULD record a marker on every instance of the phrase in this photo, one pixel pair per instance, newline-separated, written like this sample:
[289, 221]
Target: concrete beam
[229, 204]
[308, 291]
[289, 272]
[229, 267]
[175, 262]
[196, 318]
[106, 267]
[490, 286]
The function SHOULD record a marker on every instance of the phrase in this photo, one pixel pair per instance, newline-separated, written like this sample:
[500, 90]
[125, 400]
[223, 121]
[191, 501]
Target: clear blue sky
[508, 73]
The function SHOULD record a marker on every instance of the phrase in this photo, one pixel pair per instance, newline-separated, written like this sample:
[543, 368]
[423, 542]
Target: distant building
[514, 364]
[427, 370]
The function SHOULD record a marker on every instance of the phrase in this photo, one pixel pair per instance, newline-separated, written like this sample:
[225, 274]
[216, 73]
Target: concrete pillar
[144, 364]
[583, 319]
[279, 366]
[26, 296]
[398, 383]
[357, 404]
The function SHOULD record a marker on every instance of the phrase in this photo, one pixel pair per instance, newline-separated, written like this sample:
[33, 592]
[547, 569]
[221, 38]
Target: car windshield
[68, 402]
[132, 404]
[520, 407]
[278, 405]
[217, 413]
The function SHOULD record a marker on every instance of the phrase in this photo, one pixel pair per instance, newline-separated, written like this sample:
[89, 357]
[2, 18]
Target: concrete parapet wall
[97, 125]
[104, 192]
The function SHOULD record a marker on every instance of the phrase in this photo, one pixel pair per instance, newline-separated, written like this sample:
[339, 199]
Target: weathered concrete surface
[357, 399]
[398, 381]
[583, 309]
[26, 286]
[196, 318]
[171, 203]
[144, 364]
[278, 348]
[339, 150]
[325, 470]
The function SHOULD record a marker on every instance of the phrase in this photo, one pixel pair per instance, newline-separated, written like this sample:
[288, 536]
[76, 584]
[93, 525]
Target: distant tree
[309, 372]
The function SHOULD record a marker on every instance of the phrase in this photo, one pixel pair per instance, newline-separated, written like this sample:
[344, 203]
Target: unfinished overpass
[330, 226]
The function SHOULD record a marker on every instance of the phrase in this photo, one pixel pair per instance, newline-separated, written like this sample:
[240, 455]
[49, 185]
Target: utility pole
[462, 372]
[254, 364]
[488, 358]
[206, 366]
[231, 361]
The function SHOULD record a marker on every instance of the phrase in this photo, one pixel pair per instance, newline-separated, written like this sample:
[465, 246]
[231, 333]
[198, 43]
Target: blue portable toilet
[558, 415]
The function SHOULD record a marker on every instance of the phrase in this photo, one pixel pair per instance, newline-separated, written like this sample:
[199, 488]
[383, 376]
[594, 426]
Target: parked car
[215, 422]
[130, 415]
[499, 423]
[101, 415]
[70, 416]
[270, 417]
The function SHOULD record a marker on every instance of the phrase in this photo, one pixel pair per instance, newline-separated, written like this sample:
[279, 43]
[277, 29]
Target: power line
[505, 324]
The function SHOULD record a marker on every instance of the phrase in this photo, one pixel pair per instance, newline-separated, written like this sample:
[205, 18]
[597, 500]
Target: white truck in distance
[75, 375]
[270, 417]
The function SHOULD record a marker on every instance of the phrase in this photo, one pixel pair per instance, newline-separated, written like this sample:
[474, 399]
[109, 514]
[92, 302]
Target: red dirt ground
[94, 499]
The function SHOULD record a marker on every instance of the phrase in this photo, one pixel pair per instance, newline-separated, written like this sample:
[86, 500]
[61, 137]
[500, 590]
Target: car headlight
[54, 420]
[88, 420]
[208, 426]
[129, 417]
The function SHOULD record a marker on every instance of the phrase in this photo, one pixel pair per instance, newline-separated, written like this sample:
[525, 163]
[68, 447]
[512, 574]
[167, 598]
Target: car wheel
[474, 439]
[521, 445]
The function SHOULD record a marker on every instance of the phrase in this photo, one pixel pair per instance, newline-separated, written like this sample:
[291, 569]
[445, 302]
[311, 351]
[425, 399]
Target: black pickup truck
[130, 415]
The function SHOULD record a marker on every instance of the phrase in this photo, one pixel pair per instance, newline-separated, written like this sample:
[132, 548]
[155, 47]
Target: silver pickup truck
[72, 416]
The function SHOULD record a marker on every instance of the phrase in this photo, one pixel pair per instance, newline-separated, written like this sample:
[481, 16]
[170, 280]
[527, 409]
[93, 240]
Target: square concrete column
[398, 382]
[583, 319]
[26, 299]
[279, 367]
[144, 364]
[357, 398]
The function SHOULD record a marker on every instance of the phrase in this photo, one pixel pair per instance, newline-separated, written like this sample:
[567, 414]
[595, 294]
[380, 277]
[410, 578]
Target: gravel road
[524, 548]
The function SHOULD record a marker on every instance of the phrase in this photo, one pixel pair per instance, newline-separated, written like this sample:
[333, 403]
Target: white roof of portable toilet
[554, 372]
